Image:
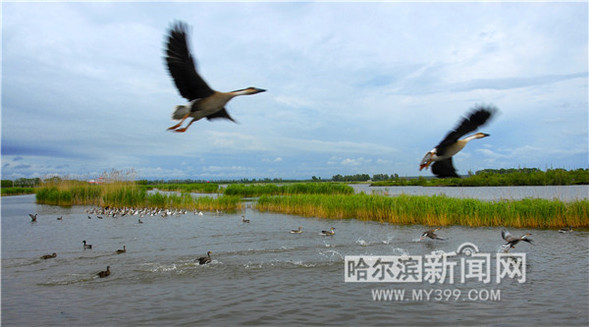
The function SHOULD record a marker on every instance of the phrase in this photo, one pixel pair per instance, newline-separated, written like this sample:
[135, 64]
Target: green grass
[287, 189]
[433, 211]
[127, 194]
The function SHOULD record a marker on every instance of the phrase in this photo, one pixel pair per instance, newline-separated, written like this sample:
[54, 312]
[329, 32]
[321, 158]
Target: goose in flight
[431, 234]
[203, 100]
[512, 240]
[441, 155]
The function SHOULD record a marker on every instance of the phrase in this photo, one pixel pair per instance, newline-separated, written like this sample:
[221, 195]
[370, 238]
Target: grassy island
[433, 210]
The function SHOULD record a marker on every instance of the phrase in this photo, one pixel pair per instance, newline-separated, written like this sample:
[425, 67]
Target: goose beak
[426, 161]
[257, 90]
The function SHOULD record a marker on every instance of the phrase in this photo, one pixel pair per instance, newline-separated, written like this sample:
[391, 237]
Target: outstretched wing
[444, 168]
[477, 117]
[506, 235]
[221, 114]
[181, 65]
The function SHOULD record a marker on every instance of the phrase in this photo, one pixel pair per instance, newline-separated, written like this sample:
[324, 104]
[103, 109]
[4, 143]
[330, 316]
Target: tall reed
[295, 188]
[433, 210]
[126, 194]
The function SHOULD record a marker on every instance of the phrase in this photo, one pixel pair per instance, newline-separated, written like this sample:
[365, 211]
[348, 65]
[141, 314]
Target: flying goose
[441, 155]
[431, 234]
[512, 240]
[203, 101]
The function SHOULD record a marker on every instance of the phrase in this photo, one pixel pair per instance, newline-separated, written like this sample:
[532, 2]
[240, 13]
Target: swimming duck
[104, 273]
[204, 260]
[512, 240]
[244, 220]
[122, 251]
[139, 221]
[60, 218]
[297, 231]
[33, 217]
[49, 256]
[204, 101]
[86, 246]
[431, 234]
[330, 232]
[566, 230]
[441, 155]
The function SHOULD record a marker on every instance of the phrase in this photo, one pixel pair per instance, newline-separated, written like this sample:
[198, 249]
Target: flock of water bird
[204, 102]
[510, 239]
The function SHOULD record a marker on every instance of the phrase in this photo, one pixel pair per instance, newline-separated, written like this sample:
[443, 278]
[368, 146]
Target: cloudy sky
[352, 87]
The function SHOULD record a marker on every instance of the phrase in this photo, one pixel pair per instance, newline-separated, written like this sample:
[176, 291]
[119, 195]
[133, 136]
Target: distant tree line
[500, 177]
[21, 182]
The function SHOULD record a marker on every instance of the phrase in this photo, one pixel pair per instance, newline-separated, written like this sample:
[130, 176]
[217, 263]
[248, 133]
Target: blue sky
[352, 87]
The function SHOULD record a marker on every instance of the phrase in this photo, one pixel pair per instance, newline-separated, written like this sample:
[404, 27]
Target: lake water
[262, 275]
[563, 193]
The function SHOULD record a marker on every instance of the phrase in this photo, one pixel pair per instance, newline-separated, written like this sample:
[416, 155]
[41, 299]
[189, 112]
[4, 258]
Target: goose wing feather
[476, 118]
[182, 67]
[444, 168]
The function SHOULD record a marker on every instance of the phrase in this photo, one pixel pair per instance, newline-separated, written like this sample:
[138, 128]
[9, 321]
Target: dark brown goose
[441, 155]
[204, 102]
[49, 256]
[121, 251]
[204, 260]
[104, 273]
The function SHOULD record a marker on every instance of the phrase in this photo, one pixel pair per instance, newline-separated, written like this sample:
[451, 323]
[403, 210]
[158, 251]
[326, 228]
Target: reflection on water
[260, 273]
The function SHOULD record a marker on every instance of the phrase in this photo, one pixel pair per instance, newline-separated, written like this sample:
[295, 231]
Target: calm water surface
[261, 274]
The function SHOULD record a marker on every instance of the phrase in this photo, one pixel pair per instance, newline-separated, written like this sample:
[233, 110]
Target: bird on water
[203, 100]
[297, 231]
[123, 250]
[329, 232]
[204, 260]
[512, 240]
[104, 273]
[431, 234]
[86, 246]
[441, 155]
[49, 256]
